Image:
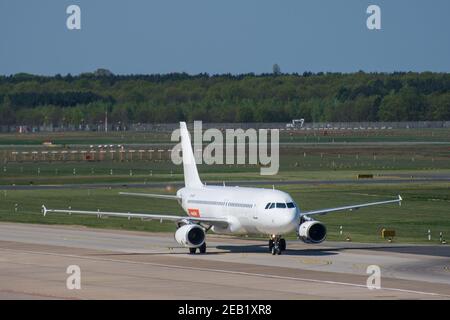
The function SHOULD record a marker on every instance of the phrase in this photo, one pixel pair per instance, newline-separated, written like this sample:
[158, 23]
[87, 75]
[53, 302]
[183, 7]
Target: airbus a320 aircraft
[231, 210]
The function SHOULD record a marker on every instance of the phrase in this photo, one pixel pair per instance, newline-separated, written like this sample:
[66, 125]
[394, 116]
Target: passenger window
[272, 206]
[281, 205]
[267, 205]
[291, 205]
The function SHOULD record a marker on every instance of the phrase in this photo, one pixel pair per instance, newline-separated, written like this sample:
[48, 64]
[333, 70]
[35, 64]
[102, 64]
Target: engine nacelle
[190, 235]
[312, 232]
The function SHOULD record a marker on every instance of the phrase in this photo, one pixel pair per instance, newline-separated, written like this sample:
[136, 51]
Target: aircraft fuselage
[248, 210]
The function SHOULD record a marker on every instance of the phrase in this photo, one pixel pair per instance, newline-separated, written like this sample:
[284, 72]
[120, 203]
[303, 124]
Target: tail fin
[191, 178]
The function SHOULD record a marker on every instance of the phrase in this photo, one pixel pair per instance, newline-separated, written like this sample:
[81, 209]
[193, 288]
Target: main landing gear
[277, 245]
[201, 249]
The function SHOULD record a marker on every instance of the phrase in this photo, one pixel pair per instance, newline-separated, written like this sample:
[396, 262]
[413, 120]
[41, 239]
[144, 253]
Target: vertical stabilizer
[191, 178]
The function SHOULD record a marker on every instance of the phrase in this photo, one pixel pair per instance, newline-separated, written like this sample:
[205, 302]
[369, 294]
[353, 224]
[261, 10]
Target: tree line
[83, 99]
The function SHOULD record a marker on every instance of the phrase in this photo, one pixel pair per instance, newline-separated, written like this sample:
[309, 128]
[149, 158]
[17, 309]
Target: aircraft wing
[351, 208]
[151, 195]
[222, 222]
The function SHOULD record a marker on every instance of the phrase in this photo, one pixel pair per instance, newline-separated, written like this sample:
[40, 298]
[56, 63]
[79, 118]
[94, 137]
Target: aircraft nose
[287, 220]
[290, 216]
[294, 215]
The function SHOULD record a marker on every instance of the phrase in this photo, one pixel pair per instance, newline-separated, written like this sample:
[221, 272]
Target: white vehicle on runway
[231, 210]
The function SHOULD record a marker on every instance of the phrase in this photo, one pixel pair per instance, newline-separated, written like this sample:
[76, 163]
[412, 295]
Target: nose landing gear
[276, 245]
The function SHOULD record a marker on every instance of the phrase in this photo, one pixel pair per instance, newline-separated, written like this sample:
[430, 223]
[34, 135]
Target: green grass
[83, 176]
[302, 136]
[82, 138]
[295, 163]
[28, 204]
[424, 207]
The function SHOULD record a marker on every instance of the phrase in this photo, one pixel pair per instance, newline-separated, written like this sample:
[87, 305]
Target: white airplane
[231, 210]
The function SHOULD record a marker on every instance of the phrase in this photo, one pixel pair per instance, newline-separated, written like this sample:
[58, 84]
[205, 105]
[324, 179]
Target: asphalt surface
[138, 265]
[421, 179]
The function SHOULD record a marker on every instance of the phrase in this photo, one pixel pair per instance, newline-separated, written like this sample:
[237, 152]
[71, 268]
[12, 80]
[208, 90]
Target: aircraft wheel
[282, 244]
[192, 250]
[274, 251]
[270, 245]
[203, 248]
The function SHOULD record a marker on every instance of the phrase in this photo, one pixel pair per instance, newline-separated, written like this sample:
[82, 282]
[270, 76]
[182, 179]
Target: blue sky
[221, 36]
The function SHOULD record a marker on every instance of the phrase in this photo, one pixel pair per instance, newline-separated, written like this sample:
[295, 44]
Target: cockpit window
[281, 205]
[272, 205]
[267, 205]
[290, 205]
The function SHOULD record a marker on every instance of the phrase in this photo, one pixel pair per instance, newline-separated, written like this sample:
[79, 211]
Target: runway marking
[229, 272]
[315, 261]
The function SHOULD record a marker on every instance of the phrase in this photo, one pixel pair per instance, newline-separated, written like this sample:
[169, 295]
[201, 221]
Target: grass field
[303, 136]
[295, 163]
[426, 205]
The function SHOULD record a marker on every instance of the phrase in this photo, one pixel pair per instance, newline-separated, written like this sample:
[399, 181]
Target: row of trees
[84, 99]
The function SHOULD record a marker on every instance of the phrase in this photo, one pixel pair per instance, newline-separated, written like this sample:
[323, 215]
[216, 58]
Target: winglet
[400, 200]
[44, 210]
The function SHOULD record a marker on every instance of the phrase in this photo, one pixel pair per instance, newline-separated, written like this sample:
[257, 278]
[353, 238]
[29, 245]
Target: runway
[139, 265]
[386, 180]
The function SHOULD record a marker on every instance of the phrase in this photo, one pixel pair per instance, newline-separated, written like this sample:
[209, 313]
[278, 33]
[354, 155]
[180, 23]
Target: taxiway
[137, 265]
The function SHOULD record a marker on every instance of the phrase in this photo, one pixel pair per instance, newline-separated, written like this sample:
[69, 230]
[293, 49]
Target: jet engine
[312, 231]
[190, 235]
